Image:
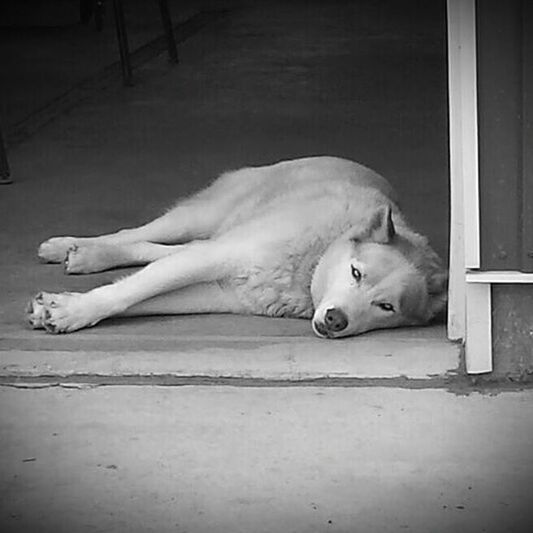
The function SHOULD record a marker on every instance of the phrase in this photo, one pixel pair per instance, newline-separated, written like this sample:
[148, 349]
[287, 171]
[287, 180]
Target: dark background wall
[512, 334]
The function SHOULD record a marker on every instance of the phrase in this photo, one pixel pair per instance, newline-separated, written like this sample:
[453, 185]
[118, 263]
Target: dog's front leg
[194, 263]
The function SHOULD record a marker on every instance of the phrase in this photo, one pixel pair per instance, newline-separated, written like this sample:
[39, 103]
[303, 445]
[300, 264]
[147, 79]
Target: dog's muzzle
[335, 321]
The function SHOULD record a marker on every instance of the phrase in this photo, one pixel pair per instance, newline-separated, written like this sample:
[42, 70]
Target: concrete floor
[264, 460]
[261, 84]
[270, 80]
[45, 51]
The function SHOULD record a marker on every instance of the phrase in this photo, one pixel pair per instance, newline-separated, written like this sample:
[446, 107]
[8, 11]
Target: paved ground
[261, 84]
[268, 460]
[46, 51]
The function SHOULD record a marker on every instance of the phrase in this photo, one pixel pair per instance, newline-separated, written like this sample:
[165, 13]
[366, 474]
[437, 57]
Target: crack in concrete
[459, 385]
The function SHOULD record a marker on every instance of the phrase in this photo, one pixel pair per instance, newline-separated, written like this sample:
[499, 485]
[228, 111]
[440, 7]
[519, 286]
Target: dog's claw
[34, 311]
[68, 262]
[48, 325]
[30, 314]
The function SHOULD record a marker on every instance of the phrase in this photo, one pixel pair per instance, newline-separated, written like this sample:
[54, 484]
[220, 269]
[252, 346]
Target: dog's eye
[389, 308]
[356, 273]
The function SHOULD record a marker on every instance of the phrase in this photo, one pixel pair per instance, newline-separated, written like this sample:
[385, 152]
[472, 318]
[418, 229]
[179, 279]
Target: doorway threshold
[224, 348]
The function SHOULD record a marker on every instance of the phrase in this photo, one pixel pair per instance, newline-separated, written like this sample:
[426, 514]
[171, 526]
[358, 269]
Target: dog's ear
[381, 228]
[437, 284]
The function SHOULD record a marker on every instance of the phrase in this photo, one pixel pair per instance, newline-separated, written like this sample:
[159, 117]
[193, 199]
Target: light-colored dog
[319, 238]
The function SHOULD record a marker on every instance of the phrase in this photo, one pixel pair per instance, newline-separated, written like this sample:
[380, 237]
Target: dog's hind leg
[194, 263]
[183, 223]
[193, 218]
[86, 258]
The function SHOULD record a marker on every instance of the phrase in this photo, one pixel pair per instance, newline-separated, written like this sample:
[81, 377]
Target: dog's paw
[89, 258]
[35, 311]
[59, 313]
[55, 250]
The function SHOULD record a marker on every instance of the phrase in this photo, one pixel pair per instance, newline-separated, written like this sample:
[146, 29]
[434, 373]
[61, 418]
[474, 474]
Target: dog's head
[376, 278]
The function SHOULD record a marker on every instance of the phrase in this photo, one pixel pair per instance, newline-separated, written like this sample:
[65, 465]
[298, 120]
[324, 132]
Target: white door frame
[470, 305]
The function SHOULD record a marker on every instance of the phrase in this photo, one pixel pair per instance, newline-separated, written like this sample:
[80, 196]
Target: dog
[319, 238]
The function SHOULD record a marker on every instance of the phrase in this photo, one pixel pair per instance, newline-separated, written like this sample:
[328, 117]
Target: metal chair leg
[92, 9]
[5, 175]
[169, 33]
[99, 10]
[122, 37]
[86, 10]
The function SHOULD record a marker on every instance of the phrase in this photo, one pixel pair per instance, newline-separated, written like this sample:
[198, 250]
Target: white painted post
[478, 347]
[456, 283]
[464, 194]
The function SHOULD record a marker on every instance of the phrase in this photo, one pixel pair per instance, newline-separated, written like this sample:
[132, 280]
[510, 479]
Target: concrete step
[223, 347]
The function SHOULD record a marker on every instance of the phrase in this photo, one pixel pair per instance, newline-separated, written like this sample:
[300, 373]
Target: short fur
[320, 238]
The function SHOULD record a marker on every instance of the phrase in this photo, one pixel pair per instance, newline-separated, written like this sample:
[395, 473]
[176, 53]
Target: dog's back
[296, 186]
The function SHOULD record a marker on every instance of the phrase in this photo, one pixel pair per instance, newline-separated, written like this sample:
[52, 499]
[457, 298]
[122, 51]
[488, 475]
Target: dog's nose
[335, 319]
